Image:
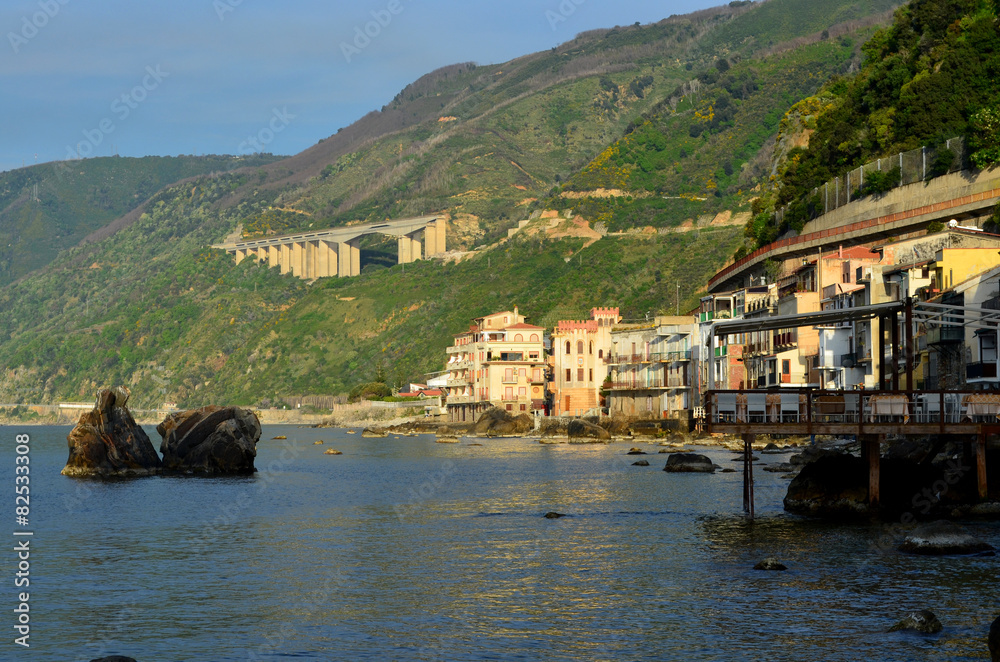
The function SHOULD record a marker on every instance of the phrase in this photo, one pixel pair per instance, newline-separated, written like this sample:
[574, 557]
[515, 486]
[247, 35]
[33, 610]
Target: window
[786, 367]
[579, 374]
[569, 375]
[508, 393]
[567, 347]
[591, 347]
[600, 353]
[518, 337]
[579, 347]
[522, 392]
[591, 375]
[510, 407]
[524, 407]
[534, 337]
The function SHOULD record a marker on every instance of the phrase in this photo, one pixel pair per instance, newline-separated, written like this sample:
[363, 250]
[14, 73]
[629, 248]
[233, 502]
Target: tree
[984, 138]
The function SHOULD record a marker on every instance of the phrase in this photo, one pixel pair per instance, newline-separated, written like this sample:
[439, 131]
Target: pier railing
[814, 411]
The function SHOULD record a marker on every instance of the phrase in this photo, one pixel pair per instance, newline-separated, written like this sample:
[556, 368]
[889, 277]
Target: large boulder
[835, 486]
[689, 463]
[498, 422]
[211, 440]
[553, 427]
[940, 538]
[107, 442]
[580, 430]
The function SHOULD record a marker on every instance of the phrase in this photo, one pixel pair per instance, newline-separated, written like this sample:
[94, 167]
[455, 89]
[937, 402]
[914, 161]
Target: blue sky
[201, 76]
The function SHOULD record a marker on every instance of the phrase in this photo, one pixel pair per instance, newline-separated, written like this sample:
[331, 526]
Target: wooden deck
[871, 416]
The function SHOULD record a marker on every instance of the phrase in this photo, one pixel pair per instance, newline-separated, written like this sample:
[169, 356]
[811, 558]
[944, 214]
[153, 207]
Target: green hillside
[149, 305]
[48, 208]
[931, 75]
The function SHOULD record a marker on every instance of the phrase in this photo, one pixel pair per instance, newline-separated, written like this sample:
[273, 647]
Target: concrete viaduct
[336, 252]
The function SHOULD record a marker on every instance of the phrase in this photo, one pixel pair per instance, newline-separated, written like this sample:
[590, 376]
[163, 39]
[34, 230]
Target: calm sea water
[411, 550]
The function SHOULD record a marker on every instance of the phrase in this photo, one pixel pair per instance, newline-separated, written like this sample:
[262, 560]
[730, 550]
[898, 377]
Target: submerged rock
[212, 440]
[641, 463]
[108, 442]
[332, 451]
[636, 451]
[770, 564]
[941, 538]
[553, 515]
[922, 621]
[689, 463]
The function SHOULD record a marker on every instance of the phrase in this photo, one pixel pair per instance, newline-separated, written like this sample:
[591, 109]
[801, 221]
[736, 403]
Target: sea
[402, 548]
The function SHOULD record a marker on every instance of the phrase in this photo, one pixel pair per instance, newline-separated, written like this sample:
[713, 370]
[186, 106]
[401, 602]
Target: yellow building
[498, 362]
[581, 352]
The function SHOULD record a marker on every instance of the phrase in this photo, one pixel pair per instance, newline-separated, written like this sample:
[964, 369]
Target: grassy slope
[76, 198]
[153, 308]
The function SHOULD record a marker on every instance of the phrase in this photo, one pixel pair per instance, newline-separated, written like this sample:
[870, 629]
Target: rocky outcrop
[210, 440]
[498, 422]
[107, 442]
[922, 621]
[689, 463]
[835, 486]
[579, 430]
[374, 433]
[941, 538]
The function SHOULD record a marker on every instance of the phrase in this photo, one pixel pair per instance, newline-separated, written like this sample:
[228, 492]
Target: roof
[524, 326]
[905, 267]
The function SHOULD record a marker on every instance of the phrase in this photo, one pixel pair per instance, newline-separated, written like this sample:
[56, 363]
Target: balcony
[459, 399]
[458, 382]
[459, 365]
[678, 382]
[982, 370]
[638, 385]
[784, 340]
[945, 335]
[672, 357]
[848, 360]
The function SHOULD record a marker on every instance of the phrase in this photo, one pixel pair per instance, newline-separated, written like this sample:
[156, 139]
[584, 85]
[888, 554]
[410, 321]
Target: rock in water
[579, 430]
[499, 422]
[641, 463]
[940, 538]
[833, 485]
[212, 440]
[921, 621]
[107, 441]
[553, 515]
[374, 433]
[770, 564]
[689, 462]
[114, 658]
[994, 641]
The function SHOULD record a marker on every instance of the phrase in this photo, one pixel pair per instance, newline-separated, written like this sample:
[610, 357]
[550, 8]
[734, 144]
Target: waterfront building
[498, 362]
[651, 368]
[579, 360]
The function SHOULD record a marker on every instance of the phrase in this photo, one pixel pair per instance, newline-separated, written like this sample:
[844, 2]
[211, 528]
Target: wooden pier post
[870, 450]
[748, 440]
[981, 465]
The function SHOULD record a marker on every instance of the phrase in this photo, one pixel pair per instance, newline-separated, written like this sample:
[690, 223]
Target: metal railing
[816, 410]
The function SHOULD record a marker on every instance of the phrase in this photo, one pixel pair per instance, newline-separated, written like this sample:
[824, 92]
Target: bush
[369, 391]
[941, 165]
[935, 227]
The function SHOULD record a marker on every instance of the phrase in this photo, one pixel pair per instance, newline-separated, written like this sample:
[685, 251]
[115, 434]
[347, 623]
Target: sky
[83, 79]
